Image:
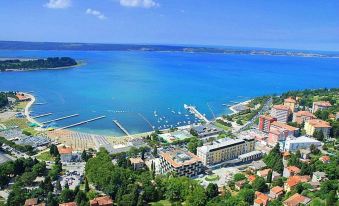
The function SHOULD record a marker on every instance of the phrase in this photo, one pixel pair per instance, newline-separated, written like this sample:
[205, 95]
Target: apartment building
[302, 116]
[320, 106]
[280, 112]
[265, 123]
[290, 102]
[181, 162]
[317, 125]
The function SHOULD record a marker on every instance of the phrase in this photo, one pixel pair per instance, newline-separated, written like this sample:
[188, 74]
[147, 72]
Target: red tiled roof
[277, 190]
[268, 117]
[285, 126]
[261, 198]
[264, 173]
[281, 107]
[293, 169]
[68, 204]
[323, 103]
[251, 178]
[304, 114]
[318, 123]
[294, 180]
[325, 158]
[290, 100]
[101, 201]
[296, 199]
[31, 202]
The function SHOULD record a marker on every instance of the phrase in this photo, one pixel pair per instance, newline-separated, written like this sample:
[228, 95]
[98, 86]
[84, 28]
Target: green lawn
[161, 203]
[212, 178]
[46, 156]
[221, 126]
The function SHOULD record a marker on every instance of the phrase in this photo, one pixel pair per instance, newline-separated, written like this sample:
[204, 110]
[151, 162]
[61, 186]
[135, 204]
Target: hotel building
[303, 142]
[181, 162]
[265, 122]
[280, 112]
[224, 150]
[320, 106]
[317, 125]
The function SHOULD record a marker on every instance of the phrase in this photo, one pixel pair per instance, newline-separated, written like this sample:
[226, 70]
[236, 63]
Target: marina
[42, 115]
[194, 111]
[80, 123]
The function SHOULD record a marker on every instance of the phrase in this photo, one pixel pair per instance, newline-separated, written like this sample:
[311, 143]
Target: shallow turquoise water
[144, 82]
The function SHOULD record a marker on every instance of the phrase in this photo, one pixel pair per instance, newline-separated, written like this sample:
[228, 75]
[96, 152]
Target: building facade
[302, 116]
[320, 106]
[280, 112]
[181, 162]
[224, 150]
[303, 142]
[290, 102]
[317, 125]
[265, 123]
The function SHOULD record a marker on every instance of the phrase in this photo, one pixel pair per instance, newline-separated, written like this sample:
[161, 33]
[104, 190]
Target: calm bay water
[134, 86]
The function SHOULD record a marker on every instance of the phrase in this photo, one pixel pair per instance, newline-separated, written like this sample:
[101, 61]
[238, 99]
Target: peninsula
[36, 64]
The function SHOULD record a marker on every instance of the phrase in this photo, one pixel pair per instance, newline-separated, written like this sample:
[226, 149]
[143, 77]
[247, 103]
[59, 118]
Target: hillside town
[272, 151]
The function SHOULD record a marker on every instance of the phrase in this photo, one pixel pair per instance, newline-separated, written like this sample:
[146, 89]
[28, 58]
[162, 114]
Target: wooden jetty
[60, 118]
[82, 122]
[121, 127]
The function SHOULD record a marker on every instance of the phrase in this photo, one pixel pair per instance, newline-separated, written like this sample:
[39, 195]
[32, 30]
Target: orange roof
[290, 100]
[296, 199]
[251, 178]
[171, 157]
[281, 107]
[261, 198]
[304, 114]
[294, 180]
[277, 190]
[65, 150]
[285, 126]
[68, 204]
[264, 173]
[105, 200]
[286, 154]
[21, 96]
[31, 202]
[136, 160]
[318, 123]
[323, 103]
[325, 158]
[294, 169]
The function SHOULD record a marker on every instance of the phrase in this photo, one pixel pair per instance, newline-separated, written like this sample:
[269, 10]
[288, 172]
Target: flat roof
[179, 157]
[221, 145]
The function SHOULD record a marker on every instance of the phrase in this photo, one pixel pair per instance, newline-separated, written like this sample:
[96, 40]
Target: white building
[280, 112]
[293, 144]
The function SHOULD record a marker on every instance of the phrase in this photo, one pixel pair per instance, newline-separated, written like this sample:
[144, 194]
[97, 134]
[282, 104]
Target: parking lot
[73, 174]
[225, 175]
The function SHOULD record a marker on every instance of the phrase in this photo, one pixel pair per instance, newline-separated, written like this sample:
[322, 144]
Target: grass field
[45, 156]
[161, 203]
[21, 123]
[212, 178]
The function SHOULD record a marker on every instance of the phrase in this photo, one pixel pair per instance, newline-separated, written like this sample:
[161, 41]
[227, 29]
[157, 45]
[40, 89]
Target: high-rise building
[280, 112]
[265, 123]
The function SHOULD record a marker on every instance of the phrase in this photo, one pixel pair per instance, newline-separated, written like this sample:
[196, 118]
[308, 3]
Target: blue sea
[145, 89]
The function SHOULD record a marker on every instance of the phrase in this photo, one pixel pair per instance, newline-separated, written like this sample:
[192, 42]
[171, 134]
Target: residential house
[305, 154]
[137, 163]
[264, 173]
[320, 106]
[257, 165]
[68, 204]
[325, 159]
[294, 180]
[297, 200]
[261, 199]
[33, 202]
[276, 192]
[65, 153]
[291, 171]
[251, 178]
[318, 176]
[101, 201]
[240, 184]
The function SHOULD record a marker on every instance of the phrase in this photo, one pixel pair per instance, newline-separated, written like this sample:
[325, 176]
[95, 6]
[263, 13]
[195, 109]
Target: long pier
[121, 127]
[194, 111]
[43, 115]
[60, 118]
[80, 123]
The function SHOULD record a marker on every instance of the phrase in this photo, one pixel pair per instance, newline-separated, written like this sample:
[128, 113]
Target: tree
[66, 195]
[239, 122]
[86, 185]
[196, 197]
[246, 195]
[84, 156]
[269, 177]
[193, 144]
[81, 198]
[259, 184]
[331, 198]
[212, 190]
[53, 150]
[319, 135]
[239, 176]
[51, 200]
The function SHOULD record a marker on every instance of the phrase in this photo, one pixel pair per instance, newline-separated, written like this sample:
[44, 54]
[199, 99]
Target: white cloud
[58, 4]
[96, 13]
[139, 3]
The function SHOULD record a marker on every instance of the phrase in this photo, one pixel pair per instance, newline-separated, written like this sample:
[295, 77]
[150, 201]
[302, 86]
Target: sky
[287, 24]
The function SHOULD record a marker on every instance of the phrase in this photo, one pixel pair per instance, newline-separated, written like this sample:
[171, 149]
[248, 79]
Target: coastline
[234, 109]
[27, 109]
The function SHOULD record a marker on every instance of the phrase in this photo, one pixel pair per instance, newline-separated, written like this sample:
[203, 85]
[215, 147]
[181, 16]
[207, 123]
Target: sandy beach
[27, 109]
[234, 108]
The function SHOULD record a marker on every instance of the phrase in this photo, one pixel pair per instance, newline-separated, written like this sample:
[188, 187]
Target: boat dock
[121, 127]
[60, 118]
[80, 123]
[196, 113]
[43, 115]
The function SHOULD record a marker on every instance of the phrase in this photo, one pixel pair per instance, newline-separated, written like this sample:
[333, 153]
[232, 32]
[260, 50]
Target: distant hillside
[18, 45]
[35, 64]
